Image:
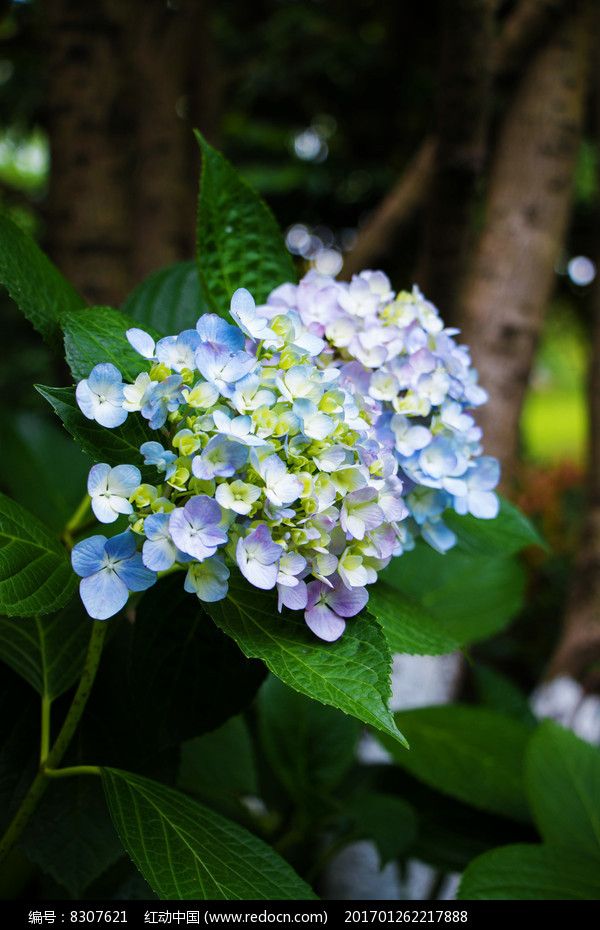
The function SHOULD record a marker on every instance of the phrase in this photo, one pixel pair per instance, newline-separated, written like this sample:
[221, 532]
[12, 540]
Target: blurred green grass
[554, 424]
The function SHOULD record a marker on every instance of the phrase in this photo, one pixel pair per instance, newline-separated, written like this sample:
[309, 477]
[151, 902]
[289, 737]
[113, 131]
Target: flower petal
[87, 555]
[103, 510]
[103, 594]
[134, 573]
[121, 546]
[98, 478]
[158, 554]
[324, 623]
[141, 341]
[123, 480]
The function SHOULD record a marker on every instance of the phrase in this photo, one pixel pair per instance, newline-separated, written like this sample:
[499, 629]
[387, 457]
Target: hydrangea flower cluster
[415, 385]
[265, 462]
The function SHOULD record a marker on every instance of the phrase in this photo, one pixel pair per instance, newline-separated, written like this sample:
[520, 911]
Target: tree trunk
[463, 108]
[88, 215]
[523, 30]
[512, 271]
[163, 44]
[124, 79]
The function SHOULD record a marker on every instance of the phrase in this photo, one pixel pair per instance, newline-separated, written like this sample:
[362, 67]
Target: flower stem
[45, 729]
[54, 756]
[70, 770]
[80, 514]
[76, 521]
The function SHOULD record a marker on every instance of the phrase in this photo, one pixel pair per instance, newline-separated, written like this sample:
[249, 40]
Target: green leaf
[450, 834]
[41, 467]
[186, 851]
[352, 674]
[408, 627]
[176, 651]
[472, 597]
[506, 535]
[72, 837]
[34, 283]
[309, 747]
[530, 873]
[97, 334]
[219, 767]
[168, 677]
[47, 651]
[35, 573]
[169, 301]
[19, 740]
[473, 754]
[114, 446]
[563, 780]
[388, 821]
[238, 241]
[500, 693]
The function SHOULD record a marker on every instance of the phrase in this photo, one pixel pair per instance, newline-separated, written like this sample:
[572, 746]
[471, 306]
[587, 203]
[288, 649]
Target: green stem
[56, 753]
[71, 770]
[79, 515]
[170, 571]
[45, 729]
[76, 521]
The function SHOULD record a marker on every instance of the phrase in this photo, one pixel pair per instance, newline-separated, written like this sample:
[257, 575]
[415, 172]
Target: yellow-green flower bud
[143, 496]
[159, 371]
[186, 441]
[162, 505]
[179, 478]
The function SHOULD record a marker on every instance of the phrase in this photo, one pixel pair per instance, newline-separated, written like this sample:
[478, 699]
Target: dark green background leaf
[219, 767]
[19, 741]
[450, 833]
[97, 334]
[166, 678]
[309, 746]
[115, 446]
[71, 837]
[168, 301]
[471, 753]
[185, 851]
[238, 241]
[35, 573]
[500, 693]
[530, 873]
[41, 467]
[506, 535]
[388, 821]
[408, 627]
[47, 651]
[472, 597]
[34, 283]
[563, 780]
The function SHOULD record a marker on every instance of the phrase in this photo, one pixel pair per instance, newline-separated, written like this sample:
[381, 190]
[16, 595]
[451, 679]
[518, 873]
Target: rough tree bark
[525, 26]
[88, 217]
[522, 31]
[121, 77]
[511, 273]
[162, 43]
[465, 81]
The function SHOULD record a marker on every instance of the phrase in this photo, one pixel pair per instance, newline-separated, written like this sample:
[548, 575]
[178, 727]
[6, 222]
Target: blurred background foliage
[324, 107]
